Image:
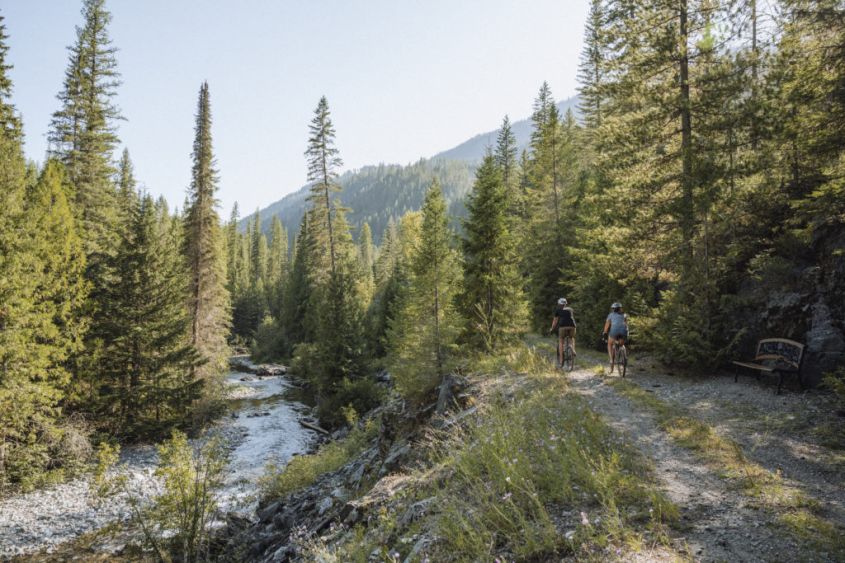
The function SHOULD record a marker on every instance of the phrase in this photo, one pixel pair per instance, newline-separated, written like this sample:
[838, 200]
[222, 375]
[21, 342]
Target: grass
[536, 475]
[795, 511]
[304, 470]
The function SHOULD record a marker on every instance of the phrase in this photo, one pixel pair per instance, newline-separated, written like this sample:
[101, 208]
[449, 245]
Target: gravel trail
[718, 524]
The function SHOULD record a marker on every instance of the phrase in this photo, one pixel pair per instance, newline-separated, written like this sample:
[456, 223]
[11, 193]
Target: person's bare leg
[610, 349]
[560, 346]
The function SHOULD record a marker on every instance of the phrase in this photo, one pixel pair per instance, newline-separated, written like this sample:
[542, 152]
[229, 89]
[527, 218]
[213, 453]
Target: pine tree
[148, 363]
[234, 266]
[423, 333]
[593, 68]
[366, 257]
[300, 287]
[10, 123]
[323, 161]
[208, 300]
[126, 186]
[492, 299]
[40, 292]
[277, 268]
[83, 132]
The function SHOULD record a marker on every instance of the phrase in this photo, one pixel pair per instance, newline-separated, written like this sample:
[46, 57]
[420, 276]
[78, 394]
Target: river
[263, 429]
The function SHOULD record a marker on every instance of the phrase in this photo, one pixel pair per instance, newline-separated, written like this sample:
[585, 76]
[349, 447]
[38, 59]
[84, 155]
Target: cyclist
[615, 328]
[564, 323]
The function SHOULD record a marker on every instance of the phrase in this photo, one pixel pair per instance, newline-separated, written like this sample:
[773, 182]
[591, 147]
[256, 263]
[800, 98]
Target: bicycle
[620, 357]
[568, 354]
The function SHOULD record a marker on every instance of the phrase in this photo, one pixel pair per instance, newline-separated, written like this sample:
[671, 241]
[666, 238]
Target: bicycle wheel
[622, 360]
[568, 357]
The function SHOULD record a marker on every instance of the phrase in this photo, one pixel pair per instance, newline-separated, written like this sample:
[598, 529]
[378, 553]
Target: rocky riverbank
[264, 428]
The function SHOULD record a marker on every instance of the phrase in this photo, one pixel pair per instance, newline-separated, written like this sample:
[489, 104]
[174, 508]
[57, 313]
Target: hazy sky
[404, 79]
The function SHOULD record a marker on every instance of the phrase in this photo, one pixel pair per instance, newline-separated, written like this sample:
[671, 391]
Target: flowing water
[263, 428]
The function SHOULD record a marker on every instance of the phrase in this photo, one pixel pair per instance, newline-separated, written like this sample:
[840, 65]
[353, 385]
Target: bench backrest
[782, 349]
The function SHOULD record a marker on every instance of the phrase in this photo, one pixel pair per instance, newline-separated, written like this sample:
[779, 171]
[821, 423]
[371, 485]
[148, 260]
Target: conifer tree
[300, 286]
[83, 131]
[366, 259]
[492, 299]
[39, 296]
[323, 161]
[148, 363]
[423, 333]
[208, 300]
[593, 66]
[277, 268]
[234, 266]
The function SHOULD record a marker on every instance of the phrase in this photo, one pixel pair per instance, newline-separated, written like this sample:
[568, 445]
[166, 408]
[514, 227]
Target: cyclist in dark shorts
[615, 328]
[564, 323]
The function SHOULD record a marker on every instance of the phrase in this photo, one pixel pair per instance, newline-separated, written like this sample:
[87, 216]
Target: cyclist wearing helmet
[615, 328]
[564, 323]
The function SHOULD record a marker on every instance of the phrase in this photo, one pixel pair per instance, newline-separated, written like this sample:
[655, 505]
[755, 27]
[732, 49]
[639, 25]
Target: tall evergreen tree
[148, 363]
[323, 162]
[366, 257]
[277, 267]
[83, 131]
[300, 286]
[423, 333]
[492, 297]
[208, 300]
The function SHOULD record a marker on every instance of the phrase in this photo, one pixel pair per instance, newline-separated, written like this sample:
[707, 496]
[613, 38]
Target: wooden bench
[775, 355]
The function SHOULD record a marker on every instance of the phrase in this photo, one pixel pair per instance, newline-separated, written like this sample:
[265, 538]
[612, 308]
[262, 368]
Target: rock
[267, 370]
[340, 433]
[356, 475]
[266, 514]
[415, 551]
[415, 511]
[324, 505]
[395, 455]
[451, 386]
[282, 553]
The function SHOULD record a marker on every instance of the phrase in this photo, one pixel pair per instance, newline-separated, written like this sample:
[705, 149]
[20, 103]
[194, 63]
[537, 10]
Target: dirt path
[717, 523]
[778, 432]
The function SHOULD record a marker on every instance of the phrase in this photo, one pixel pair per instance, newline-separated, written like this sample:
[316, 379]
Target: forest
[703, 186]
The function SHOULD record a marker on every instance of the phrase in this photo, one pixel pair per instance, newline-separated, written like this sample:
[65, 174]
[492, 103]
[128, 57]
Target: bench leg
[736, 374]
[780, 382]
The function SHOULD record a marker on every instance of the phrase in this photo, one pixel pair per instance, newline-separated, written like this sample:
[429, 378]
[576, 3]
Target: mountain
[473, 149]
[376, 194]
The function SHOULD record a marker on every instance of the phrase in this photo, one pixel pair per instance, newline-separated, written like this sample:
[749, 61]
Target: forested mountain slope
[376, 193]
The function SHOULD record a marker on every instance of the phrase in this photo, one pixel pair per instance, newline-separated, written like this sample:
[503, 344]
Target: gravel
[44, 519]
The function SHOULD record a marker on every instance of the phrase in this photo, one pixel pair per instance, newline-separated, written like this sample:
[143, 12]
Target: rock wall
[806, 304]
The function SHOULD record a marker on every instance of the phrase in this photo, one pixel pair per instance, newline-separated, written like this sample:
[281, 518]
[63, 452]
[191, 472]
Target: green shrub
[835, 381]
[270, 342]
[175, 523]
[303, 470]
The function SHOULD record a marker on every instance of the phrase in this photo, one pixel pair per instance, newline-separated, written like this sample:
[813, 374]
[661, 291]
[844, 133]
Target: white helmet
[561, 301]
[616, 305]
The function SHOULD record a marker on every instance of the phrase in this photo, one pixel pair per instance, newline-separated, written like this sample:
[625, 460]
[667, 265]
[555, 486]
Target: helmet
[616, 305]
[561, 301]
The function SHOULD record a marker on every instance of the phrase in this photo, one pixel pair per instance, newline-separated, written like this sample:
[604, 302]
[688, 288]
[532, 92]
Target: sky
[405, 79]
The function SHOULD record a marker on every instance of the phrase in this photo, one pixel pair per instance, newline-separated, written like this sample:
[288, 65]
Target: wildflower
[506, 496]
[507, 479]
